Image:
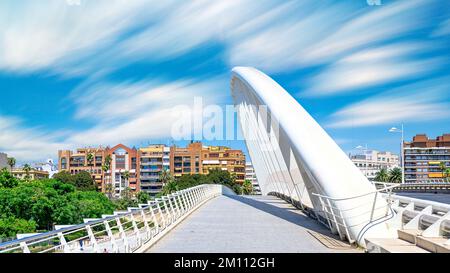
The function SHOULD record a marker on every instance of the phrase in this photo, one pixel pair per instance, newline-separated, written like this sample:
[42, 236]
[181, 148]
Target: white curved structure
[293, 155]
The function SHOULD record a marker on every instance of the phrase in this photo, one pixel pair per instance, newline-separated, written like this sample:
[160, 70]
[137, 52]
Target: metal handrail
[333, 214]
[125, 231]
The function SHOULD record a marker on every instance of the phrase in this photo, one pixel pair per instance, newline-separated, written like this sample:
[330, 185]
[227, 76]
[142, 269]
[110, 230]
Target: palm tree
[247, 187]
[105, 168]
[27, 169]
[395, 175]
[170, 187]
[90, 160]
[11, 162]
[442, 167]
[165, 177]
[382, 175]
[126, 176]
[447, 174]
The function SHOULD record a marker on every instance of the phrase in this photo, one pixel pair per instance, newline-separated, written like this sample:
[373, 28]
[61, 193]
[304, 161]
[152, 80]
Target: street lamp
[396, 130]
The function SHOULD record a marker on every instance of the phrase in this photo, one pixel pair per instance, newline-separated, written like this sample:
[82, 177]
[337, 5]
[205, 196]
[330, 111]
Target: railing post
[146, 226]
[182, 205]
[135, 229]
[167, 209]
[62, 241]
[24, 247]
[176, 205]
[154, 219]
[92, 238]
[174, 213]
[163, 217]
[334, 218]
[373, 206]
[188, 197]
[186, 200]
[123, 235]
[111, 236]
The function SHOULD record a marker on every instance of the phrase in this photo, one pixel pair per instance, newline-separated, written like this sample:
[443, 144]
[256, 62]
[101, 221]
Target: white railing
[124, 231]
[338, 223]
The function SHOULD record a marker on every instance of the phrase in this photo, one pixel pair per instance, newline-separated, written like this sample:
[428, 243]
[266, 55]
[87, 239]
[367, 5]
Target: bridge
[314, 198]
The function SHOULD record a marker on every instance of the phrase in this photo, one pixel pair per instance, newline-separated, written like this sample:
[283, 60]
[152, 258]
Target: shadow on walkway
[286, 213]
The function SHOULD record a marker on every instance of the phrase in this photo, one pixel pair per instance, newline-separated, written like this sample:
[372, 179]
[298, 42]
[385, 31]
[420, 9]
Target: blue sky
[107, 71]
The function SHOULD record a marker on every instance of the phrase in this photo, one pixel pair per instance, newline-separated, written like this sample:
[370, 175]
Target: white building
[371, 161]
[250, 175]
[48, 166]
[3, 160]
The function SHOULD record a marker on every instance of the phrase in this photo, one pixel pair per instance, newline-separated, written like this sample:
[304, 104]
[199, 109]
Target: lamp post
[396, 130]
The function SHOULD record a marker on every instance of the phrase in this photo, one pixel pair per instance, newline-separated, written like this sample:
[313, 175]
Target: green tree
[247, 187]
[11, 163]
[90, 160]
[27, 168]
[10, 226]
[382, 176]
[443, 167]
[126, 177]
[447, 174]
[395, 175]
[64, 177]
[170, 187]
[84, 182]
[105, 168]
[142, 197]
[7, 180]
[165, 177]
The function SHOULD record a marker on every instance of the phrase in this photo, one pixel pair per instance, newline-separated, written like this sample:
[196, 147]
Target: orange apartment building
[199, 159]
[424, 158]
[124, 160]
[76, 161]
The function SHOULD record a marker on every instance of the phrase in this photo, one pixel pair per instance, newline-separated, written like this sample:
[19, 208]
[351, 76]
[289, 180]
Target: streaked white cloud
[372, 67]
[423, 101]
[26, 144]
[57, 36]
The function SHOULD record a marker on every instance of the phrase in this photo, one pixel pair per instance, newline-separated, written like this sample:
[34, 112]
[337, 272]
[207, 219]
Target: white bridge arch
[294, 156]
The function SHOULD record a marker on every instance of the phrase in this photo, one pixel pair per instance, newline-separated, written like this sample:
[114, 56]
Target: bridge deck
[247, 224]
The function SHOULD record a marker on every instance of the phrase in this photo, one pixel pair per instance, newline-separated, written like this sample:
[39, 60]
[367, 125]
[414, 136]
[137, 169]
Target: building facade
[224, 158]
[33, 174]
[371, 161]
[152, 161]
[140, 169]
[123, 172]
[3, 160]
[186, 160]
[426, 159]
[251, 176]
[74, 162]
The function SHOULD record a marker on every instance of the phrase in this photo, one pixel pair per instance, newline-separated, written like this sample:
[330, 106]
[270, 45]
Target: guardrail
[124, 231]
[337, 223]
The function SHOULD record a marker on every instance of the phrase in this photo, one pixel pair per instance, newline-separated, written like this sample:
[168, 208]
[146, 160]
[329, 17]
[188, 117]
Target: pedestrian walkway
[241, 224]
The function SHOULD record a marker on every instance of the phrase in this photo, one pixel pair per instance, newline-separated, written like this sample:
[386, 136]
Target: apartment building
[33, 174]
[426, 159]
[224, 158]
[123, 172]
[199, 159]
[371, 161]
[251, 176]
[152, 161]
[76, 161]
[186, 160]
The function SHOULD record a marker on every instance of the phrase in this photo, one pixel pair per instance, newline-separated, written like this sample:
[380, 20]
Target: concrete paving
[238, 224]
